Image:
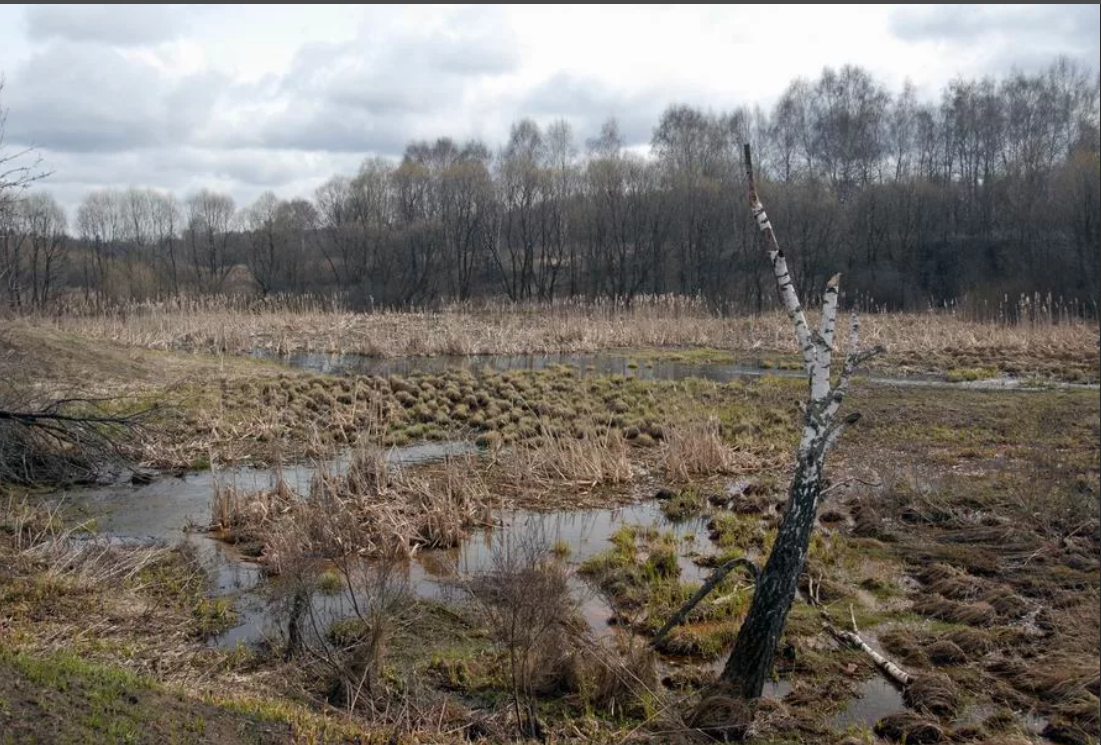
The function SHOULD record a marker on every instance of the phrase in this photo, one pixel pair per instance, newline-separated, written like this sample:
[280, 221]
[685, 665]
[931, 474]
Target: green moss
[962, 374]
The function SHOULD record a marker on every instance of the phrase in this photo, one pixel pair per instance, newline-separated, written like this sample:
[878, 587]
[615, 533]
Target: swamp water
[165, 510]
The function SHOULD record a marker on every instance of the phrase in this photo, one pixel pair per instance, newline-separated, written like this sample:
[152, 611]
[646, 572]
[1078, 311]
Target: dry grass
[69, 554]
[696, 448]
[1057, 677]
[557, 461]
[221, 325]
[933, 693]
[910, 728]
[369, 510]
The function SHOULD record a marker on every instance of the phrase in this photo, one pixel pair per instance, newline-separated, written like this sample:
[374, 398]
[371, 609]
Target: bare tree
[209, 221]
[265, 241]
[167, 220]
[19, 168]
[101, 223]
[45, 225]
[466, 194]
[750, 663]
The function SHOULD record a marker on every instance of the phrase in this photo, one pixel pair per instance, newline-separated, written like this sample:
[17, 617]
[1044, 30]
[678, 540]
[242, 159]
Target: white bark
[889, 668]
[788, 296]
[820, 381]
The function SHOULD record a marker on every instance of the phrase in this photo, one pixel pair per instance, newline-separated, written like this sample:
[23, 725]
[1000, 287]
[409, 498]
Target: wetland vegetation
[960, 533]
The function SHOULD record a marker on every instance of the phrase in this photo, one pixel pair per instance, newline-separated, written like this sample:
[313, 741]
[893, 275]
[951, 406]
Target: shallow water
[435, 573]
[877, 698]
[163, 511]
[609, 363]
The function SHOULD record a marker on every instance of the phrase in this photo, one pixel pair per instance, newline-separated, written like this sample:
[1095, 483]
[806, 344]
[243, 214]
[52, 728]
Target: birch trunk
[750, 662]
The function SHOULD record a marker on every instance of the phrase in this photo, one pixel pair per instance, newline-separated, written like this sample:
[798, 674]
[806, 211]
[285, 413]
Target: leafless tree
[209, 221]
[984, 193]
[750, 662]
[166, 223]
[44, 223]
[20, 168]
[101, 223]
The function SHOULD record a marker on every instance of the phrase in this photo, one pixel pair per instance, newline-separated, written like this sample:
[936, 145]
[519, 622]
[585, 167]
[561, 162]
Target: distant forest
[988, 193]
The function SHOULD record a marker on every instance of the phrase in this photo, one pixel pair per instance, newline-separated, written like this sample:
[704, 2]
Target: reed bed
[696, 448]
[368, 510]
[1029, 328]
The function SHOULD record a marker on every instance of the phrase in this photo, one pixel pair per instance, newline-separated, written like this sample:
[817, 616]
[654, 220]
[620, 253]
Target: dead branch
[716, 577]
[58, 442]
[899, 676]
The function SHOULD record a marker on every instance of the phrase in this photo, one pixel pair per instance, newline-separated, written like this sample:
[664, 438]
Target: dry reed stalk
[564, 461]
[225, 325]
[696, 448]
[370, 510]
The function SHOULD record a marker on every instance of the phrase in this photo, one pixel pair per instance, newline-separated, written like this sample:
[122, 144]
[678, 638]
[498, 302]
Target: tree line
[991, 190]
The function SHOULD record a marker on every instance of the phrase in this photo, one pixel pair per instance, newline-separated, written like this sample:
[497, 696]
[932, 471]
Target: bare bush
[526, 597]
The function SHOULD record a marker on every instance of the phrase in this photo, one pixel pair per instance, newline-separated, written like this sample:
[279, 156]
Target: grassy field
[961, 533]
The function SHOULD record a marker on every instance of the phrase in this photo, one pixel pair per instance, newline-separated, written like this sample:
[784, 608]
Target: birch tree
[750, 662]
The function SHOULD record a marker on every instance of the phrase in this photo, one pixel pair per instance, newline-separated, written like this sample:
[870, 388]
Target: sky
[245, 99]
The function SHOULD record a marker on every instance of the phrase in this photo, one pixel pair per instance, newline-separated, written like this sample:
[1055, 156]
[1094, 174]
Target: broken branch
[716, 577]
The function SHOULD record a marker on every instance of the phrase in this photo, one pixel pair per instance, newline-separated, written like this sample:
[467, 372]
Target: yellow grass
[225, 326]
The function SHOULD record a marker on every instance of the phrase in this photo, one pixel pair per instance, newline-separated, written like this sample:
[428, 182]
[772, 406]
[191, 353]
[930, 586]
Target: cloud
[243, 173]
[90, 97]
[244, 99]
[588, 102]
[379, 91]
[120, 25]
[1027, 36]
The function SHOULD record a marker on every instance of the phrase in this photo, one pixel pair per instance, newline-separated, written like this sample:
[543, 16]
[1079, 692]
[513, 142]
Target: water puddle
[608, 363]
[165, 510]
[876, 699]
[162, 511]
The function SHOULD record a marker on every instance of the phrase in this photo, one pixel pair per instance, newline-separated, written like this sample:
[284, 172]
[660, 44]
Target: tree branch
[889, 668]
[716, 577]
[784, 284]
[853, 360]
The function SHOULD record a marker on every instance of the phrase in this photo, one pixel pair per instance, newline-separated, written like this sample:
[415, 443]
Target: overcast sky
[246, 99]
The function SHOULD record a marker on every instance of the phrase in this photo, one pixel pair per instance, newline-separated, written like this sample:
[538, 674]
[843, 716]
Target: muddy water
[165, 509]
[877, 698]
[434, 573]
